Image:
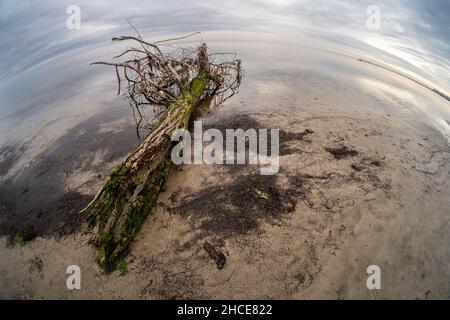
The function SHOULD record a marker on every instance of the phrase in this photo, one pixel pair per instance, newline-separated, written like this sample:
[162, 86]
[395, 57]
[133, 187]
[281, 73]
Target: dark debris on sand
[288, 139]
[238, 207]
[341, 152]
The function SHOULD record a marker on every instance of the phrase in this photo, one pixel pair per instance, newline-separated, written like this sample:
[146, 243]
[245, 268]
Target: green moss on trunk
[122, 205]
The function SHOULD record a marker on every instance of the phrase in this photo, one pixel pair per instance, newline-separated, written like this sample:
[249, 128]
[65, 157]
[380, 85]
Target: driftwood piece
[159, 80]
[216, 254]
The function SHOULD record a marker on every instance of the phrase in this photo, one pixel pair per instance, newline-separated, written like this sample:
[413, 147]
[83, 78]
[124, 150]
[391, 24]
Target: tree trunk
[121, 206]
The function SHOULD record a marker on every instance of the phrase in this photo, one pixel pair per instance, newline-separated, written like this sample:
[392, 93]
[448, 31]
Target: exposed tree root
[177, 86]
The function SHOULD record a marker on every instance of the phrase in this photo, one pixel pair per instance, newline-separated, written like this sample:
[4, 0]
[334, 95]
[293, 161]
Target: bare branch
[156, 78]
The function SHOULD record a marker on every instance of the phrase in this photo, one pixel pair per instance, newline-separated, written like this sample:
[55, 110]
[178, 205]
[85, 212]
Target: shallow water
[48, 86]
[292, 54]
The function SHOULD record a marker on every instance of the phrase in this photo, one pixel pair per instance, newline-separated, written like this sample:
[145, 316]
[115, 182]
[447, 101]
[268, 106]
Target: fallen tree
[171, 83]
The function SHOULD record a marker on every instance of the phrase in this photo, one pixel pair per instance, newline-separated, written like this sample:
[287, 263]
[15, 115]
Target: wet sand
[42, 195]
[329, 216]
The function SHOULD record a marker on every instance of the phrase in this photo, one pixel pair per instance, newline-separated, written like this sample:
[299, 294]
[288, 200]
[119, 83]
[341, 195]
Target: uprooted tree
[171, 81]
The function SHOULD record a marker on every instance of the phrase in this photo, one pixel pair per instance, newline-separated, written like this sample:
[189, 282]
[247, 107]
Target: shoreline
[384, 205]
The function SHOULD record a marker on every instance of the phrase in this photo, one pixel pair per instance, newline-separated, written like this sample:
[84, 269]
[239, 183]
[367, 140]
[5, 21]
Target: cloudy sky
[415, 32]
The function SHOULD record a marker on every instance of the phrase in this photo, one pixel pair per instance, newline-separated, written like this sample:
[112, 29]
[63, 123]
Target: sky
[414, 33]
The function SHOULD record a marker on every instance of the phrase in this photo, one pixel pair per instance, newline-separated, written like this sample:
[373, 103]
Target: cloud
[416, 32]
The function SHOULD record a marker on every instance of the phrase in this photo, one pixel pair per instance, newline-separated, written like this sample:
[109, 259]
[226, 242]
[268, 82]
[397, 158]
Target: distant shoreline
[443, 95]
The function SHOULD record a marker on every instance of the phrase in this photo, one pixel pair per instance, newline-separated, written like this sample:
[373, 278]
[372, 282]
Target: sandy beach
[328, 219]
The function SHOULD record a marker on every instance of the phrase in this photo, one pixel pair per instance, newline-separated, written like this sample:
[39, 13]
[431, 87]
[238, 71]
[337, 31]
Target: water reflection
[300, 49]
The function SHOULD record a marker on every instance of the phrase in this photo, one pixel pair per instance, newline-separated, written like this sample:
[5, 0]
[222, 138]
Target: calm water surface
[291, 51]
